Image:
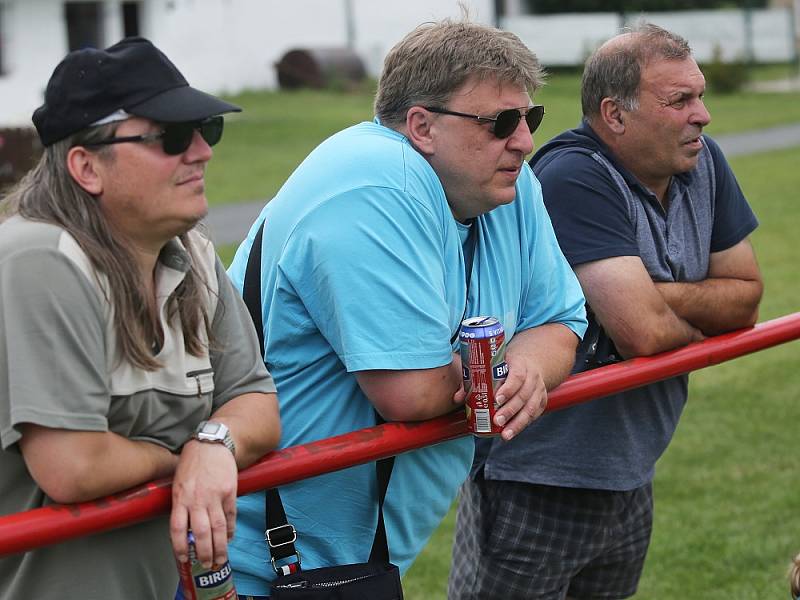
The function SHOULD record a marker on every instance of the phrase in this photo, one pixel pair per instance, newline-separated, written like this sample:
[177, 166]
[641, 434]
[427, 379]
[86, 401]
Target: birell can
[199, 583]
[483, 353]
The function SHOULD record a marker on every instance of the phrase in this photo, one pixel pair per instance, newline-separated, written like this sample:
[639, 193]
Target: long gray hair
[48, 193]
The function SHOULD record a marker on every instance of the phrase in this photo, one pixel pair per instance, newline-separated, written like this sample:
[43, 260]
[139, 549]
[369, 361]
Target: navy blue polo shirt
[600, 210]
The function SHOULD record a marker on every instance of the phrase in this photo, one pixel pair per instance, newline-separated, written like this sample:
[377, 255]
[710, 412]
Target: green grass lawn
[263, 145]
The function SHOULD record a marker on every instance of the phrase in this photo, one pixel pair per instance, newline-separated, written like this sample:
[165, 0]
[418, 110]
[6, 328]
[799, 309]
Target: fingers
[213, 524]
[204, 500]
[178, 531]
[230, 516]
[460, 396]
[219, 536]
[211, 529]
[523, 397]
[203, 541]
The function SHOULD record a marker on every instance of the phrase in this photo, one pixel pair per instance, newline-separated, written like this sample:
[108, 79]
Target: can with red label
[199, 583]
[483, 353]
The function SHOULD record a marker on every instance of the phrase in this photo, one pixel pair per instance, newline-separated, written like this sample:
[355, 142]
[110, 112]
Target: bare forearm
[254, 424]
[76, 466]
[630, 309]
[413, 395]
[551, 347]
[126, 463]
[154, 461]
[714, 305]
[650, 331]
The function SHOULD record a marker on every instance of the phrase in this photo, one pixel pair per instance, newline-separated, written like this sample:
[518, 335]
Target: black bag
[376, 579]
[363, 581]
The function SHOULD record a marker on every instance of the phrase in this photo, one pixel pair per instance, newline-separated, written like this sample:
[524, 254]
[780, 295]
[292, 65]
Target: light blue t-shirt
[363, 268]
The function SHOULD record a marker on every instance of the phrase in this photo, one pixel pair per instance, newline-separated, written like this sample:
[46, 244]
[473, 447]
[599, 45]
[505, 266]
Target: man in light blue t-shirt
[364, 287]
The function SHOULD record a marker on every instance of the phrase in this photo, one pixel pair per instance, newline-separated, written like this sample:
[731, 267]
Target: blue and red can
[483, 353]
[200, 583]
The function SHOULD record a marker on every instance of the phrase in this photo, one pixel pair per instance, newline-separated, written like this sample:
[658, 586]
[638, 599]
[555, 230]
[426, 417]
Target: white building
[222, 46]
[226, 46]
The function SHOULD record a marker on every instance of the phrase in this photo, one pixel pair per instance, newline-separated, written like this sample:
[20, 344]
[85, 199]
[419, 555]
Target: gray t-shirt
[59, 368]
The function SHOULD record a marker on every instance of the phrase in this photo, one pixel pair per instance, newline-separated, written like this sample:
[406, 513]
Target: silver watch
[215, 433]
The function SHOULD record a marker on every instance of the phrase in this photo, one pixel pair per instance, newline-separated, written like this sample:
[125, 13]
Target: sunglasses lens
[534, 117]
[506, 122]
[211, 130]
[177, 137]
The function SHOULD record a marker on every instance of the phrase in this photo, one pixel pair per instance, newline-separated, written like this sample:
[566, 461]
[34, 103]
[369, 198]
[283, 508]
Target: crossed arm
[643, 317]
[727, 299]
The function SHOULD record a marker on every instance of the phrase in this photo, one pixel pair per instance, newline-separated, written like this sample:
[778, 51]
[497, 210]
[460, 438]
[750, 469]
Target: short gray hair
[435, 59]
[615, 70]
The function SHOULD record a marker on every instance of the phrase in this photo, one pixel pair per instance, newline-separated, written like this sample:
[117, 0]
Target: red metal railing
[56, 523]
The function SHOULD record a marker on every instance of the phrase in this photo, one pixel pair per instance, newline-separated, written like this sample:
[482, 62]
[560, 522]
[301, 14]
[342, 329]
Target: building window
[84, 24]
[130, 18]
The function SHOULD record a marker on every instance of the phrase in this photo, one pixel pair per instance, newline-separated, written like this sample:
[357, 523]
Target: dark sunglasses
[505, 122]
[175, 137]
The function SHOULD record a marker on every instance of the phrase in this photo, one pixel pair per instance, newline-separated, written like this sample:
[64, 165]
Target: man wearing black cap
[125, 353]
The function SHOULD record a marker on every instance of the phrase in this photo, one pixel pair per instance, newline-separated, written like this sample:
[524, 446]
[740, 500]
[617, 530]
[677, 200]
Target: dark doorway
[84, 24]
[130, 19]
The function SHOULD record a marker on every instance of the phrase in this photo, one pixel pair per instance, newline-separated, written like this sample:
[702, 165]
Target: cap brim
[181, 104]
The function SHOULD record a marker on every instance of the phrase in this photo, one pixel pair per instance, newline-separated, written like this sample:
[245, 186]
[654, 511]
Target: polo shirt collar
[585, 129]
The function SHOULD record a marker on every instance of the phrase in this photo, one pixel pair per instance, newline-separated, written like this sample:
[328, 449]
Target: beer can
[200, 583]
[483, 353]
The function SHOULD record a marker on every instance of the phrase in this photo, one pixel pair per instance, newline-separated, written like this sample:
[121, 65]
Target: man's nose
[198, 150]
[522, 138]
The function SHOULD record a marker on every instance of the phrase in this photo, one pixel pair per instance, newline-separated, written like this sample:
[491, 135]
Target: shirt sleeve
[368, 266]
[235, 356]
[733, 218]
[588, 212]
[52, 346]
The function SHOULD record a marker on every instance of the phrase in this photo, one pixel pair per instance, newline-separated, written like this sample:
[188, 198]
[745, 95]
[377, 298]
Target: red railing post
[20, 532]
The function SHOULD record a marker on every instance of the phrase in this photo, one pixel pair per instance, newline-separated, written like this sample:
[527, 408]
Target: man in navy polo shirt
[652, 220]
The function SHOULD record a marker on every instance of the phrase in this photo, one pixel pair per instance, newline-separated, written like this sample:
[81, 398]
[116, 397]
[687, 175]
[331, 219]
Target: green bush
[725, 77]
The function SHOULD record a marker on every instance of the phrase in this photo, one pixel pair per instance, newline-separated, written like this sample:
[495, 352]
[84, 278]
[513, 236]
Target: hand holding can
[199, 583]
[484, 369]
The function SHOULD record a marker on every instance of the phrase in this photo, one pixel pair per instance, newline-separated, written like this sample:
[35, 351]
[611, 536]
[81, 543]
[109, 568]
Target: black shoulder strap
[251, 289]
[469, 258]
[380, 545]
[279, 535]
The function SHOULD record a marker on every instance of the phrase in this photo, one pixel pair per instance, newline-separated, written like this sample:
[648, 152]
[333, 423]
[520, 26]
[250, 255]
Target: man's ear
[612, 115]
[418, 129]
[82, 166]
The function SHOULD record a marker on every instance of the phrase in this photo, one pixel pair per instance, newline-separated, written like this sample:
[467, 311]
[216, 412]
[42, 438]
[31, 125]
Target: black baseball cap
[132, 75]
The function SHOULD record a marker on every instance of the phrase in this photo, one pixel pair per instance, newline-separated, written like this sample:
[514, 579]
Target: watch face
[212, 428]
[212, 431]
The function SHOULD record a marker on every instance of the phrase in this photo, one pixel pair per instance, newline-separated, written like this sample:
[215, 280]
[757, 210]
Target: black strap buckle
[280, 536]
